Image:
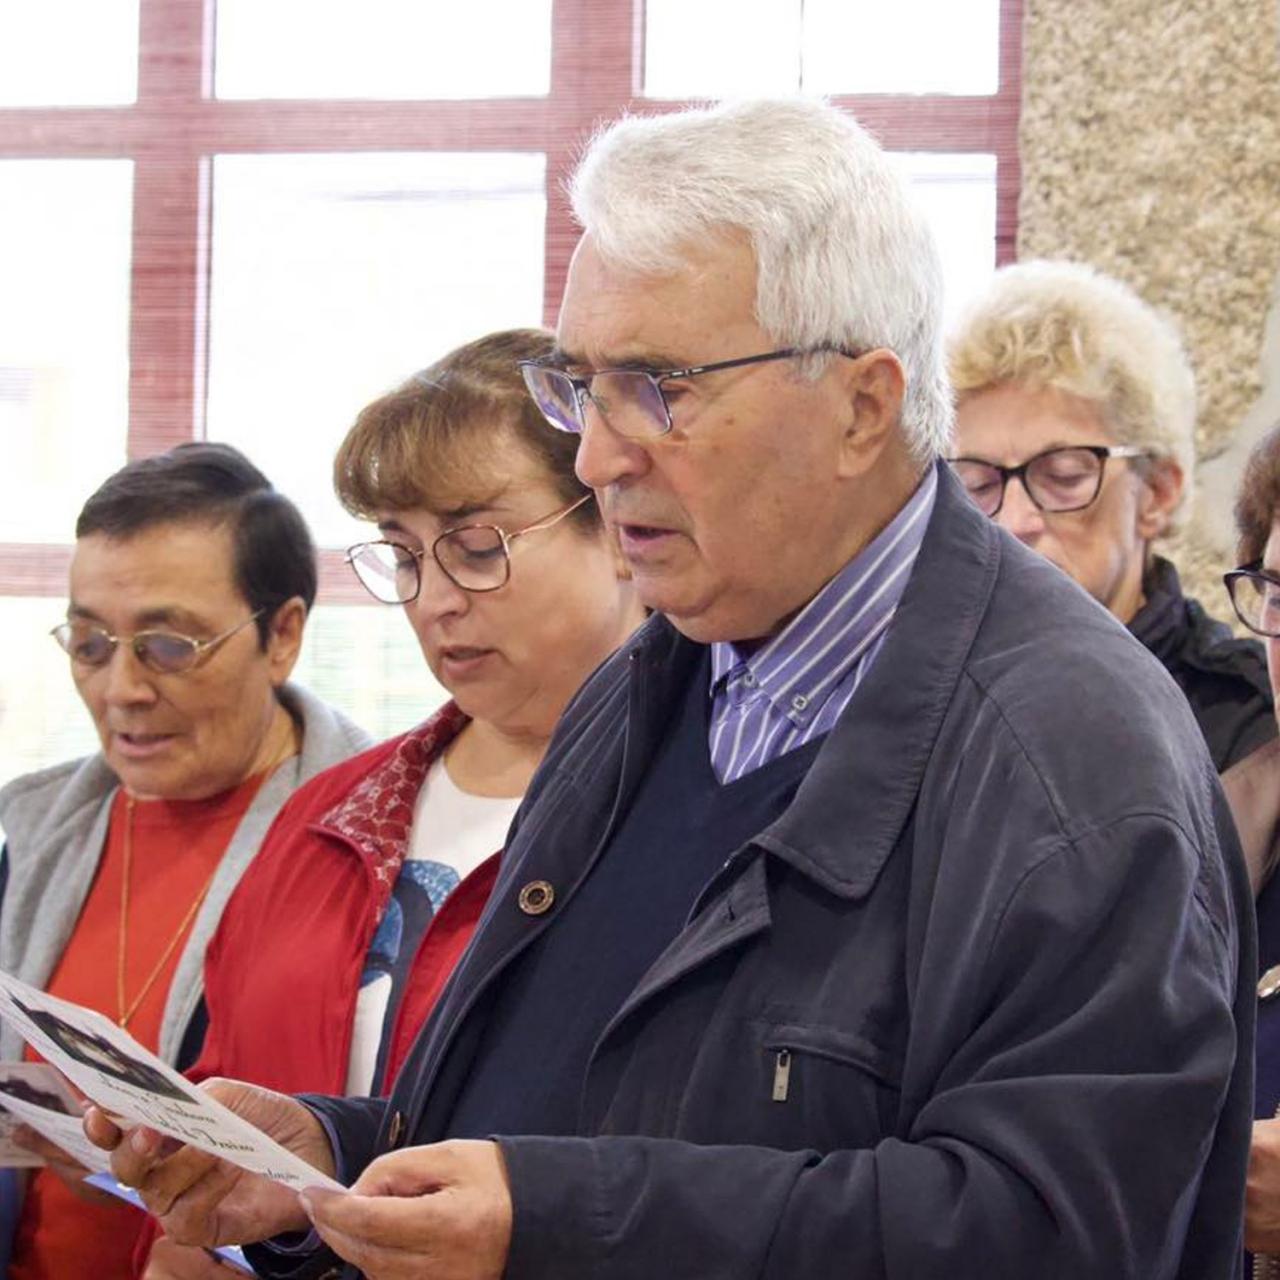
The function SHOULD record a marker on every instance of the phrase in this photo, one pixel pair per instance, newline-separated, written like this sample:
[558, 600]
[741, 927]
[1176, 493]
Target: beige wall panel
[1150, 142]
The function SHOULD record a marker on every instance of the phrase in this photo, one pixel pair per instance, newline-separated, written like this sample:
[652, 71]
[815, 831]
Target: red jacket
[283, 970]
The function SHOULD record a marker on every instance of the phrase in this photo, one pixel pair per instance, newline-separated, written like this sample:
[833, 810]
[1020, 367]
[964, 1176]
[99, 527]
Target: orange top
[176, 845]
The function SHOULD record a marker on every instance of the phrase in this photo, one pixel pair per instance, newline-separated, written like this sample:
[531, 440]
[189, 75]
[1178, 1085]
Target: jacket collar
[1161, 623]
[856, 799]
[376, 815]
[857, 796]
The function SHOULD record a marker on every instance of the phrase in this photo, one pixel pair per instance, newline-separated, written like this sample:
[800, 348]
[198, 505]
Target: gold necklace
[126, 1011]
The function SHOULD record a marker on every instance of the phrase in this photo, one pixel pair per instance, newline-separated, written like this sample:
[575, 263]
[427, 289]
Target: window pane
[721, 48]
[365, 660]
[820, 46]
[958, 195]
[878, 48]
[66, 53]
[42, 719]
[64, 342]
[335, 277]
[383, 49]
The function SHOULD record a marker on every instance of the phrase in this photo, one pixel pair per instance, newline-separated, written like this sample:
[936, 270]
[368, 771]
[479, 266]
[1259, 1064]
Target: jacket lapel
[856, 799]
[573, 806]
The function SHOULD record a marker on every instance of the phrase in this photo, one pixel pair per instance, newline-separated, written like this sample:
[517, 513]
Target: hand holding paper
[112, 1069]
[442, 1211]
[217, 1176]
[201, 1199]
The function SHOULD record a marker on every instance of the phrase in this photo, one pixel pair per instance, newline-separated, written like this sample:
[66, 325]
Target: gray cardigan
[55, 823]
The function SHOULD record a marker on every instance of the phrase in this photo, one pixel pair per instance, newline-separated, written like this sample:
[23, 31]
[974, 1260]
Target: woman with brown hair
[368, 886]
[1253, 789]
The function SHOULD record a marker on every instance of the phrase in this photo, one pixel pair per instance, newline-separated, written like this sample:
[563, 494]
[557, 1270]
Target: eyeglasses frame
[581, 383]
[1100, 451]
[201, 650]
[354, 551]
[1256, 573]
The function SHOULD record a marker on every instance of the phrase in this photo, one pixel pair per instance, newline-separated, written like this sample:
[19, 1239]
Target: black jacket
[1223, 676]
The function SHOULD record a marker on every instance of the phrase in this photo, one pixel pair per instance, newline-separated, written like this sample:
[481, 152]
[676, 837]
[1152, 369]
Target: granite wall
[1150, 143]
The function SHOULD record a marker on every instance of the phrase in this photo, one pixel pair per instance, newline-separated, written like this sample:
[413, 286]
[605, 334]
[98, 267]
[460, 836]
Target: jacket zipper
[782, 1077]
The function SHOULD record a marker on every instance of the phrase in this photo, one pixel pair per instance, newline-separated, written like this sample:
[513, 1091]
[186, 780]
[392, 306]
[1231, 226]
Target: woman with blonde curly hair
[1074, 430]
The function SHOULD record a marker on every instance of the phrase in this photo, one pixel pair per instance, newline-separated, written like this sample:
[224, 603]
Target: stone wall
[1150, 143]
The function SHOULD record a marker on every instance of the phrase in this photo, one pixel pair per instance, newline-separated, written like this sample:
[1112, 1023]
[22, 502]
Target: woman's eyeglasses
[1255, 596]
[1057, 480]
[475, 557]
[168, 653]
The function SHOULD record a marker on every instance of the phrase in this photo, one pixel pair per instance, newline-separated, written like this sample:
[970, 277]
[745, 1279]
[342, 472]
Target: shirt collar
[800, 666]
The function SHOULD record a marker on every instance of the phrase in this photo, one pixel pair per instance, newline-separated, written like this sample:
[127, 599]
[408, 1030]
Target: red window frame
[176, 126]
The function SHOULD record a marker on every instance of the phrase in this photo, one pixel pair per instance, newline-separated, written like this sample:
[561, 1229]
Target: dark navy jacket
[1003, 935]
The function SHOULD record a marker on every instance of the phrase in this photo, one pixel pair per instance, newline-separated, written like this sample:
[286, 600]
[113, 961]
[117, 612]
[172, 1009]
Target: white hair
[843, 257]
[1068, 326]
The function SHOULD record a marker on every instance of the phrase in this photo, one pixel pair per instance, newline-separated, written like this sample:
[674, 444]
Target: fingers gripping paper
[112, 1069]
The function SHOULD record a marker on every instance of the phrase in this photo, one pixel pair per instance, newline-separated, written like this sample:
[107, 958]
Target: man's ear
[875, 385]
[1161, 492]
[284, 638]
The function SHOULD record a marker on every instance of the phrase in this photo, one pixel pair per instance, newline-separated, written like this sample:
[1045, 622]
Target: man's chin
[696, 619]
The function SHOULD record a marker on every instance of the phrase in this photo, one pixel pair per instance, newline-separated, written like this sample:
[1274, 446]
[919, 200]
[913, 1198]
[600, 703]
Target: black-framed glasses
[632, 401]
[1255, 596]
[168, 653]
[475, 557]
[1057, 480]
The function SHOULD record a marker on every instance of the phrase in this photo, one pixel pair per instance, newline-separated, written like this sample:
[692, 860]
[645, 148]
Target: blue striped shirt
[793, 689]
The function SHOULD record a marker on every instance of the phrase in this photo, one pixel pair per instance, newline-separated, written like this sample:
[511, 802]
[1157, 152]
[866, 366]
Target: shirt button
[749, 680]
[799, 702]
[536, 897]
[396, 1131]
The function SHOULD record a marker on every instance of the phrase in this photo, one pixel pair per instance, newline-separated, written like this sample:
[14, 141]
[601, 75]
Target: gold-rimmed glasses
[475, 557]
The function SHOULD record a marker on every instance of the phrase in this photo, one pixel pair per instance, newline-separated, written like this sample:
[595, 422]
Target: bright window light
[68, 53]
[726, 48]
[64, 338]
[383, 49]
[337, 276]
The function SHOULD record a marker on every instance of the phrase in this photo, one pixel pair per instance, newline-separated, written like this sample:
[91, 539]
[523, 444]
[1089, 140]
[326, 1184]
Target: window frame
[176, 126]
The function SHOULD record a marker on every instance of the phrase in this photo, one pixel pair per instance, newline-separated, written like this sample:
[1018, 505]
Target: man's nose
[1018, 513]
[604, 455]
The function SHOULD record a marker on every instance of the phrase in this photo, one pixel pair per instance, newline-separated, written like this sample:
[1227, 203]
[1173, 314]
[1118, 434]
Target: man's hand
[442, 1211]
[169, 1261]
[202, 1200]
[1262, 1190]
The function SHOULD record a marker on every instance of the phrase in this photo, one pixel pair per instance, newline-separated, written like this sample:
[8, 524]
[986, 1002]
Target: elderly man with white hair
[1075, 431]
[875, 910]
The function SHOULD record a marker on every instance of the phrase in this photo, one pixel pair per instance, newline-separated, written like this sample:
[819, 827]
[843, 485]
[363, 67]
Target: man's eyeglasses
[475, 557]
[1255, 596]
[632, 401]
[168, 653]
[1057, 480]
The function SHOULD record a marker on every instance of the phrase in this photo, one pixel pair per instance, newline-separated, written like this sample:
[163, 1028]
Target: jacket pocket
[824, 1087]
